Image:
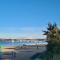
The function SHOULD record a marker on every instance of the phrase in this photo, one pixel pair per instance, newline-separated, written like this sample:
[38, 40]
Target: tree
[53, 37]
[53, 47]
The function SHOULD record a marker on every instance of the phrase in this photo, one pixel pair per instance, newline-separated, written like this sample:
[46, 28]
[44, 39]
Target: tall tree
[53, 37]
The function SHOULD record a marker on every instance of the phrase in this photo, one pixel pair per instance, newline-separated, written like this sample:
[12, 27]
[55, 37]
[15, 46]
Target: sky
[27, 18]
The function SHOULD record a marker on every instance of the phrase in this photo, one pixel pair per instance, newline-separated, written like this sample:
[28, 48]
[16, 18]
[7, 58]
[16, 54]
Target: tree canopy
[53, 37]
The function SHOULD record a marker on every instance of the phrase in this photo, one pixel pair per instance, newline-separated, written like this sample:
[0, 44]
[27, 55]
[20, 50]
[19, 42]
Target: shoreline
[24, 52]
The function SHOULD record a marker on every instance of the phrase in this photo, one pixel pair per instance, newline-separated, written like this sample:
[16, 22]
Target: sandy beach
[23, 53]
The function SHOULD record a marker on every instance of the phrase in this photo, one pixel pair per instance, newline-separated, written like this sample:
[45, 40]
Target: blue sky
[24, 18]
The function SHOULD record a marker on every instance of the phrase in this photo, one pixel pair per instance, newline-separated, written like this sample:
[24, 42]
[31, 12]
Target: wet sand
[25, 52]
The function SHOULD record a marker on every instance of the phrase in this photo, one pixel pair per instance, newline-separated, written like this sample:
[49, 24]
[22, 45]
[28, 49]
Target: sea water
[6, 44]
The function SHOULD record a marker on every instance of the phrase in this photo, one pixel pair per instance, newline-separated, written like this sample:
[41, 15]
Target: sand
[25, 52]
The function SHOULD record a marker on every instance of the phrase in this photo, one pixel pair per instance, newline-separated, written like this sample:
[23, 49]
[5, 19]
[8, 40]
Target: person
[37, 46]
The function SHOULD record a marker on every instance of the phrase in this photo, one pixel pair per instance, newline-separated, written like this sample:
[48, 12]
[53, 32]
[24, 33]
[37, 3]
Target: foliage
[53, 38]
[53, 47]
